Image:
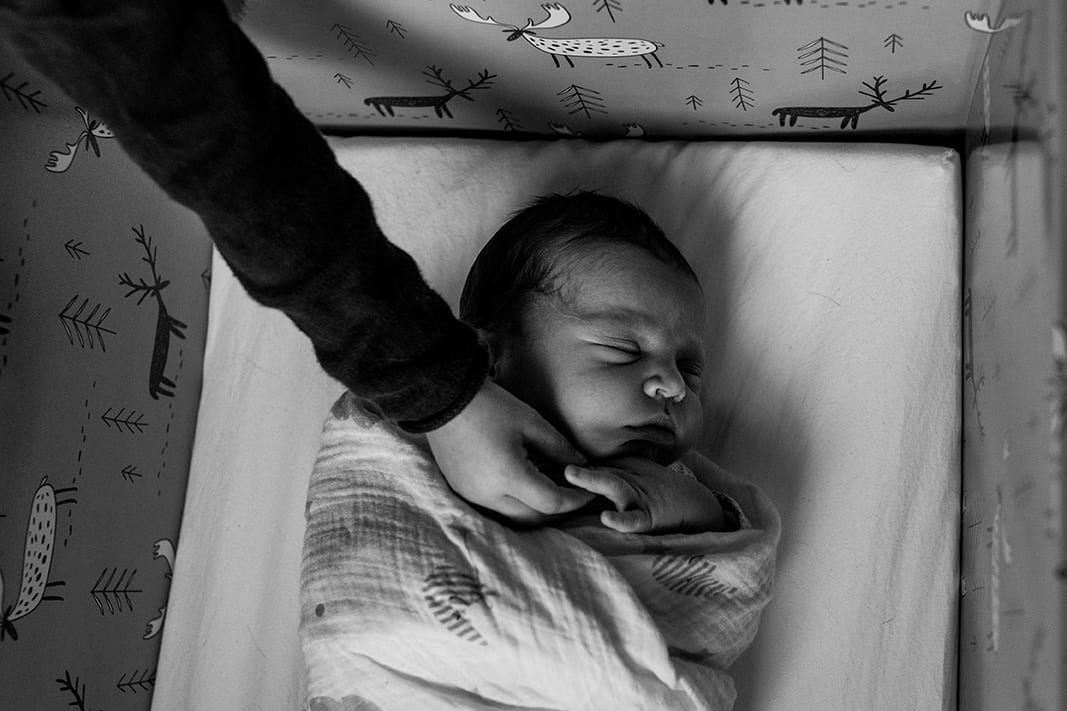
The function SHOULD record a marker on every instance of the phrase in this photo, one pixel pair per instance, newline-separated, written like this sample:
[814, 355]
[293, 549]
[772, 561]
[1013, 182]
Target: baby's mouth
[651, 441]
[657, 434]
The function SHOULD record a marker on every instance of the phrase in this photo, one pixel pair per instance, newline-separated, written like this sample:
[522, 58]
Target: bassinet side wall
[103, 314]
[1015, 367]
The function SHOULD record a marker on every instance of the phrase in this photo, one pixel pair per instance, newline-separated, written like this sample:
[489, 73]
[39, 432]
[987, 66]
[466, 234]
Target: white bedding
[832, 276]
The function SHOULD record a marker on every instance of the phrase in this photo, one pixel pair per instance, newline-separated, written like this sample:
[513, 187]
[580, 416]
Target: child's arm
[651, 498]
[192, 102]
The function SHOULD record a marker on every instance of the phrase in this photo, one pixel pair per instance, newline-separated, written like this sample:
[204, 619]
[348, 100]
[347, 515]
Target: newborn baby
[596, 320]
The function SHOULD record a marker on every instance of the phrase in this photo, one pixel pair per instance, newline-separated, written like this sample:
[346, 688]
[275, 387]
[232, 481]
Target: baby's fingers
[636, 521]
[604, 482]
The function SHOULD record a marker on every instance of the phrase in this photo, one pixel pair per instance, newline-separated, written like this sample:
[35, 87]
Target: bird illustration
[60, 161]
[155, 625]
[163, 548]
[979, 22]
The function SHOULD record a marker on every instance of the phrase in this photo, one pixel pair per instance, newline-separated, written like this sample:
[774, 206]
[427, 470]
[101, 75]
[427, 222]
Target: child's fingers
[617, 490]
[604, 482]
[538, 492]
[635, 521]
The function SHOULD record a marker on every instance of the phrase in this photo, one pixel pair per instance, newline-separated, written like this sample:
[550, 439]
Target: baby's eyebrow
[620, 316]
[629, 318]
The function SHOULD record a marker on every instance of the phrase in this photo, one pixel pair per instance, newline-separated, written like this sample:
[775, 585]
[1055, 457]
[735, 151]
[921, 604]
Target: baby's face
[615, 364]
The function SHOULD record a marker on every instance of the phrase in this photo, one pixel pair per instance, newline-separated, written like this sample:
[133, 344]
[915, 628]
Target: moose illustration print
[581, 47]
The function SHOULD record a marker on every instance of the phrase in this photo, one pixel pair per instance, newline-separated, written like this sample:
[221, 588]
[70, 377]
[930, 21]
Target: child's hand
[484, 453]
[649, 497]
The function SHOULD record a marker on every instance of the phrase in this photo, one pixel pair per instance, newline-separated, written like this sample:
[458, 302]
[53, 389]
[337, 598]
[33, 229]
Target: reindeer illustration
[438, 102]
[37, 558]
[851, 114]
[60, 161]
[166, 325]
[586, 47]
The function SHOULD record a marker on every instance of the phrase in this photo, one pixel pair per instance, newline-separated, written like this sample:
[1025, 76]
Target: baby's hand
[484, 454]
[649, 497]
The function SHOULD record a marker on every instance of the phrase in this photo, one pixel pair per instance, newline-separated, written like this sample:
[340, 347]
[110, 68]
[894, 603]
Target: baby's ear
[494, 343]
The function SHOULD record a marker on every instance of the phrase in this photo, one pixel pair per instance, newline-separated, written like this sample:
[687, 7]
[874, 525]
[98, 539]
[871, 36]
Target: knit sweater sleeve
[192, 102]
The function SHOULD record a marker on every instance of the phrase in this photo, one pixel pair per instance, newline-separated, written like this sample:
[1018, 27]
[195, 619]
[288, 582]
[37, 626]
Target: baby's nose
[666, 384]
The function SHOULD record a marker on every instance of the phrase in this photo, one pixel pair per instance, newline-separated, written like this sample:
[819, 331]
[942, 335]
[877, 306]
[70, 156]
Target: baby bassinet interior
[872, 189]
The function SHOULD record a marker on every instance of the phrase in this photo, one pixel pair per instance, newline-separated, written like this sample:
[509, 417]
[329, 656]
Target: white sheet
[832, 275]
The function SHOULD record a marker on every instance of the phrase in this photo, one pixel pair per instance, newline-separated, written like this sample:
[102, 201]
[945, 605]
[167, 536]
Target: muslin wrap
[411, 599]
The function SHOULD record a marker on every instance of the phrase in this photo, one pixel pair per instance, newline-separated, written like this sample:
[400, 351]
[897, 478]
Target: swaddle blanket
[410, 599]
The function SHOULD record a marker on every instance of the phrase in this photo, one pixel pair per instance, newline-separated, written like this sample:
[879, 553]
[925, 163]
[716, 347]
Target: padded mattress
[833, 382]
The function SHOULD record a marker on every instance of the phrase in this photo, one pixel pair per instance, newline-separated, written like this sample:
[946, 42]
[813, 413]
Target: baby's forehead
[626, 266]
[664, 299]
[635, 313]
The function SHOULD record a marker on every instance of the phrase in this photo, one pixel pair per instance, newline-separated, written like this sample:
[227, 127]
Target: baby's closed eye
[618, 351]
[691, 367]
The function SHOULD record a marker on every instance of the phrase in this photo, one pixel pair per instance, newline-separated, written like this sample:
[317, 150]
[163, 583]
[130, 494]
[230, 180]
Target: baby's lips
[660, 435]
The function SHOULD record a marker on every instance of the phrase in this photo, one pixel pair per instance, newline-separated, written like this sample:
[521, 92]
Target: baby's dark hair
[529, 252]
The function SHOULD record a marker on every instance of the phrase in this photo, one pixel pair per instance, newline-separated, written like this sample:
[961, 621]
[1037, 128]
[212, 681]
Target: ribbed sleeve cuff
[468, 387]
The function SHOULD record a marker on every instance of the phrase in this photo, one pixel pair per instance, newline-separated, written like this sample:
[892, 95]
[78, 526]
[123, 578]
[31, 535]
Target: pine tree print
[823, 55]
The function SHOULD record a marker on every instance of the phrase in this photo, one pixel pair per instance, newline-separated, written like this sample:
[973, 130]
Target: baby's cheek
[594, 441]
[597, 402]
[691, 422]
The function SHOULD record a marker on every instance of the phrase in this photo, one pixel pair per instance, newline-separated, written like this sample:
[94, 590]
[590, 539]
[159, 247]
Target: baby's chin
[635, 448]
